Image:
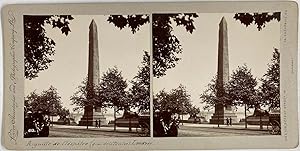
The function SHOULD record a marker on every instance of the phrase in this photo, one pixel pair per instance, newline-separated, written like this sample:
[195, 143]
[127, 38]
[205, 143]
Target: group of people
[165, 123]
[229, 121]
[36, 124]
[98, 124]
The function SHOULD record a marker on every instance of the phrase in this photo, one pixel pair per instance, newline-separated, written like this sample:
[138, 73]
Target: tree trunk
[182, 119]
[49, 120]
[260, 122]
[130, 124]
[218, 114]
[87, 120]
[130, 117]
[245, 115]
[115, 125]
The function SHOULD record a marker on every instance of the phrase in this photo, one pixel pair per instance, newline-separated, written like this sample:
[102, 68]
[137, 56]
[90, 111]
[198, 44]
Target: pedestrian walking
[99, 124]
[227, 121]
[96, 123]
[230, 121]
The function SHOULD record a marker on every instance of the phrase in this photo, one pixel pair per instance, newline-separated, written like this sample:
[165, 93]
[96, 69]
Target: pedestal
[91, 115]
[223, 117]
[221, 114]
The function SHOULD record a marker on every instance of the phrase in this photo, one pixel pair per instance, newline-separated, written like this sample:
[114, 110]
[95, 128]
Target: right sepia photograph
[216, 74]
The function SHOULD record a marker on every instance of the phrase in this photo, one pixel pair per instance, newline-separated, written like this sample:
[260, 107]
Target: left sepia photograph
[86, 76]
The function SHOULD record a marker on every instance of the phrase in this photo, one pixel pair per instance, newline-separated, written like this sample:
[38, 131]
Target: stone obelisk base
[222, 119]
[89, 118]
[222, 113]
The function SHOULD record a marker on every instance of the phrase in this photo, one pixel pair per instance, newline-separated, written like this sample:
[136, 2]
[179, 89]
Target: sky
[198, 64]
[118, 48]
[121, 48]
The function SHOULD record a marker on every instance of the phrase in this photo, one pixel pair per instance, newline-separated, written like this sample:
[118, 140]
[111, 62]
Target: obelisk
[91, 114]
[93, 66]
[222, 112]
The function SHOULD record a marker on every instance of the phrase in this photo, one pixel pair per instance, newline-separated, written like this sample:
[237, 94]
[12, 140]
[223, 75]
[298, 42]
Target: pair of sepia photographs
[192, 75]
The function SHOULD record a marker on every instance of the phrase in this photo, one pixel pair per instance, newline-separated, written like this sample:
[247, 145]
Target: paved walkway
[185, 130]
[239, 127]
[92, 132]
[103, 128]
[123, 129]
[208, 130]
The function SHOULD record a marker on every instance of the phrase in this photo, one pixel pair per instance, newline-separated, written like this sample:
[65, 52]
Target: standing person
[99, 124]
[227, 121]
[29, 124]
[96, 123]
[166, 119]
[158, 128]
[230, 121]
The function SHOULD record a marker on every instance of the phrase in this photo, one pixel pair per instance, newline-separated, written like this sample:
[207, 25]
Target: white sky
[117, 47]
[199, 57]
[123, 49]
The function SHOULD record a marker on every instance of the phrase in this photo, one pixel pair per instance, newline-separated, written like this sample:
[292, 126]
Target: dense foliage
[49, 102]
[177, 101]
[259, 19]
[38, 47]
[270, 88]
[139, 93]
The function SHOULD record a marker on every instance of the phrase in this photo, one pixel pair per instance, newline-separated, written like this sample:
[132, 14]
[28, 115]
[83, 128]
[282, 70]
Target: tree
[140, 90]
[260, 19]
[112, 90]
[215, 94]
[166, 45]
[182, 101]
[193, 111]
[270, 87]
[177, 100]
[80, 97]
[38, 47]
[48, 101]
[241, 89]
[31, 101]
[63, 113]
[131, 21]
[209, 95]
